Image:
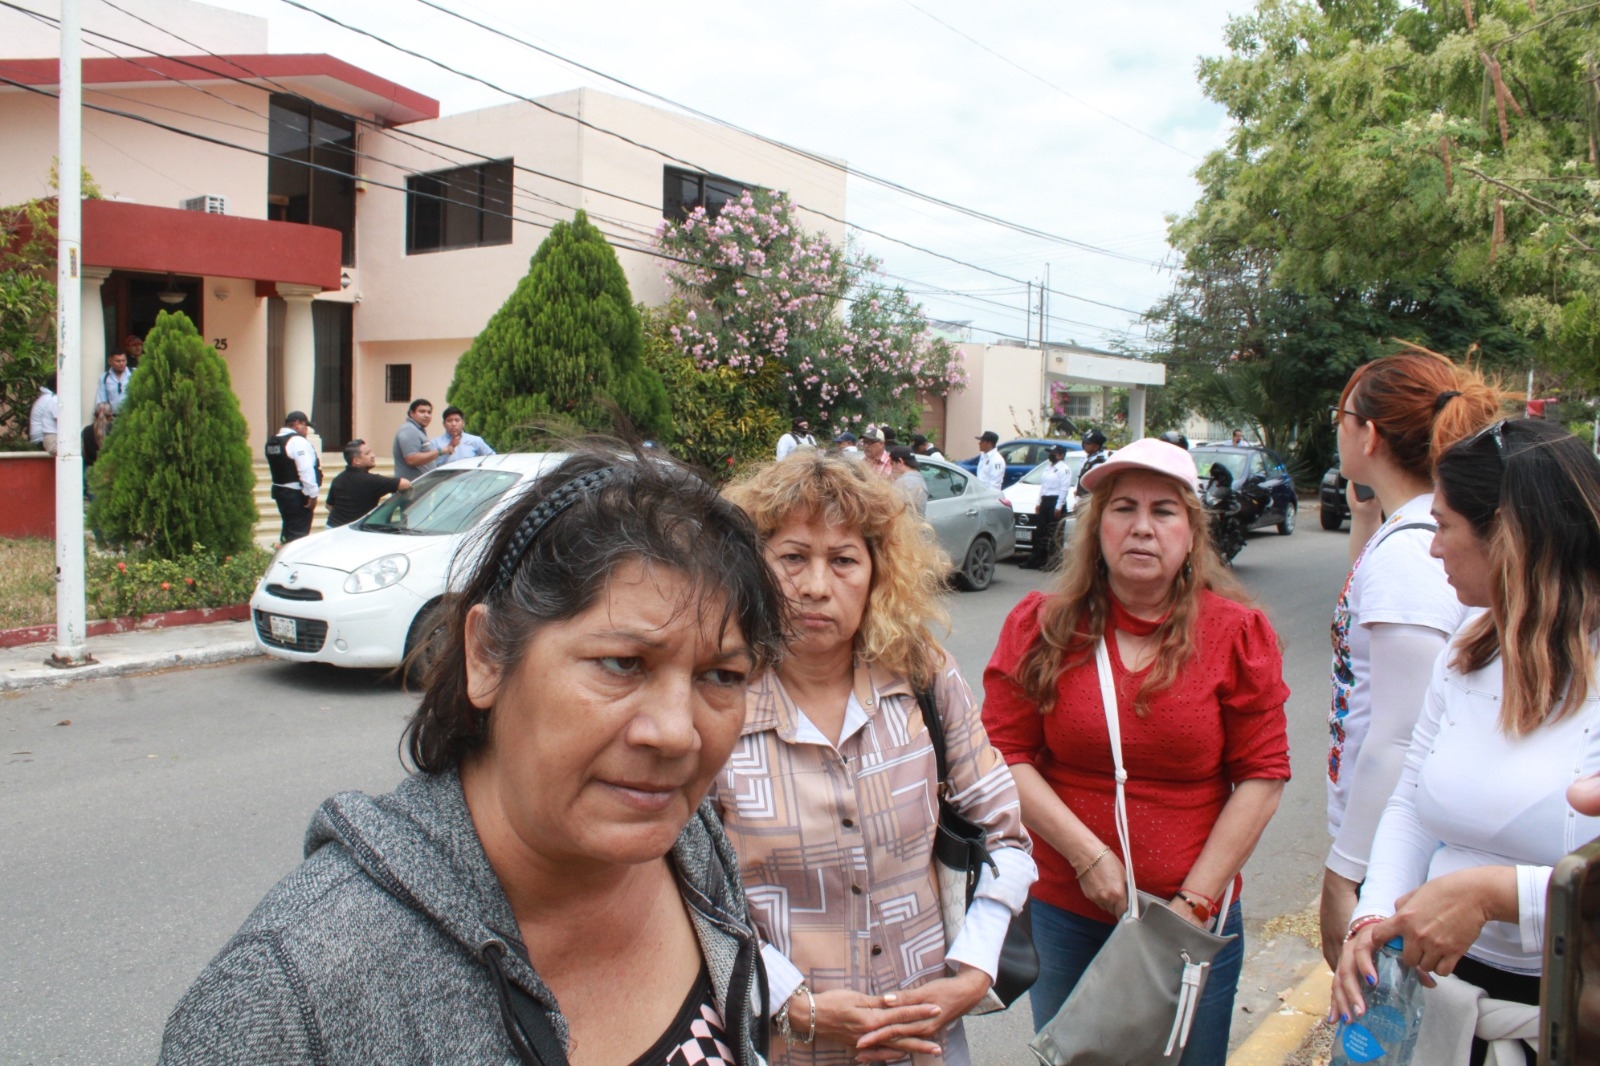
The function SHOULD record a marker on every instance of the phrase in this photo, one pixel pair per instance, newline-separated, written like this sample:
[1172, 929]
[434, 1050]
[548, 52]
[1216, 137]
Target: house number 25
[220, 344]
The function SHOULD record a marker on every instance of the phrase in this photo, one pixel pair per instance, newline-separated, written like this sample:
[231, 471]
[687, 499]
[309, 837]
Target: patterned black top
[696, 1036]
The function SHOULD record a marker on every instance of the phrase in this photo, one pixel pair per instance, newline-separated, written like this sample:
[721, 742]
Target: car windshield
[446, 502]
[1074, 461]
[1233, 462]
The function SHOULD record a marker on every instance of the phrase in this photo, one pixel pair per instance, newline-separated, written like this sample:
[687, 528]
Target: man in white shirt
[113, 387]
[296, 475]
[455, 442]
[924, 448]
[42, 418]
[799, 436]
[1055, 487]
[991, 467]
[845, 445]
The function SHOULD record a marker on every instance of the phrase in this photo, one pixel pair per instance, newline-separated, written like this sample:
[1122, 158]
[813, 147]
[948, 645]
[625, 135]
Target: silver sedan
[972, 521]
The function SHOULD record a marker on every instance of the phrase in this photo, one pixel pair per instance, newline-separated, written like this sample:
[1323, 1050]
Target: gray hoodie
[393, 942]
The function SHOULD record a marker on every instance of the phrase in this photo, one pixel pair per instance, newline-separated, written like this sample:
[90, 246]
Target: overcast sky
[1101, 154]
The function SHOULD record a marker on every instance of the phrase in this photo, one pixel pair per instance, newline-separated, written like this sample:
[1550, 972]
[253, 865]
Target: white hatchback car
[363, 594]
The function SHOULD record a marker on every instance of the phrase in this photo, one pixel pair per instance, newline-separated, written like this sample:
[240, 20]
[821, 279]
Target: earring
[1188, 568]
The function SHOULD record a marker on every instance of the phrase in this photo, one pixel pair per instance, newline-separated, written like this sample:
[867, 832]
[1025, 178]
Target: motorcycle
[1229, 513]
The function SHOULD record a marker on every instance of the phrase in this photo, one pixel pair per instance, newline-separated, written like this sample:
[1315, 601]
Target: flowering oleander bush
[761, 294]
[120, 586]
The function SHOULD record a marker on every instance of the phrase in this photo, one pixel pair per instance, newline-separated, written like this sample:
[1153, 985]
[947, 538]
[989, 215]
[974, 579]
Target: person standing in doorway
[414, 453]
[114, 382]
[296, 475]
[462, 445]
[357, 490]
[133, 348]
[991, 467]
[1055, 485]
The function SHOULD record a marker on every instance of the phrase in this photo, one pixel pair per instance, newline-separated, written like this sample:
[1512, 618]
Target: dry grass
[1304, 925]
[27, 582]
[1317, 1050]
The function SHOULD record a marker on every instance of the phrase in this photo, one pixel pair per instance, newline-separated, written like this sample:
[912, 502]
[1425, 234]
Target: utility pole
[71, 625]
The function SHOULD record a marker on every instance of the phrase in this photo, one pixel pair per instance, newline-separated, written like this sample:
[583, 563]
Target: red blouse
[1219, 723]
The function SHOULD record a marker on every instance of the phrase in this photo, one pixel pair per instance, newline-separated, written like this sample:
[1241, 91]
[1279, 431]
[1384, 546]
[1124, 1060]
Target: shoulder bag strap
[935, 726]
[1108, 698]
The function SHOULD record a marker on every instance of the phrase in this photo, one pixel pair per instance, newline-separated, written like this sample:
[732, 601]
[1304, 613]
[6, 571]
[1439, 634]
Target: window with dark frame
[311, 168]
[684, 190]
[397, 383]
[465, 207]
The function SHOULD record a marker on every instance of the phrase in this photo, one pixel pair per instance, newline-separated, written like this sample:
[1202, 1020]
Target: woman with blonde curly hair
[1199, 683]
[831, 796]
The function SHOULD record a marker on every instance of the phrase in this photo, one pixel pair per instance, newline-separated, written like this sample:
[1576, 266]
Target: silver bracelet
[811, 1014]
[781, 1020]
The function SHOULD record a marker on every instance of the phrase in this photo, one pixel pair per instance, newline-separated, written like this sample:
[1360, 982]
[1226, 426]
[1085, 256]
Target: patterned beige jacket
[835, 846]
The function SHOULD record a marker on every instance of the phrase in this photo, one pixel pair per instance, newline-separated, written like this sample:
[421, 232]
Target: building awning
[339, 83]
[166, 240]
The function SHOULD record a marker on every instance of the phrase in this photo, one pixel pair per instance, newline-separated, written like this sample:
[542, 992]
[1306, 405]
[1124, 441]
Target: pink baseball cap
[1147, 453]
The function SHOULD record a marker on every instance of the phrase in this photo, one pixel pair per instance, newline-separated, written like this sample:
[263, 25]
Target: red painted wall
[28, 487]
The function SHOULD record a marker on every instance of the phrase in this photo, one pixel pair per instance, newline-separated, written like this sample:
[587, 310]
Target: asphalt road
[146, 816]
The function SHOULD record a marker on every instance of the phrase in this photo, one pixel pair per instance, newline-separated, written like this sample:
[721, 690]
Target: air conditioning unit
[211, 204]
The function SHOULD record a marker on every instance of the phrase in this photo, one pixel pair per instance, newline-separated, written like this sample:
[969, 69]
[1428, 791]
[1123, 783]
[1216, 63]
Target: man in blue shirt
[113, 387]
[462, 445]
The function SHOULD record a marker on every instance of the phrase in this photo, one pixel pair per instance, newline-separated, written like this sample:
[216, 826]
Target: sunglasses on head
[1496, 433]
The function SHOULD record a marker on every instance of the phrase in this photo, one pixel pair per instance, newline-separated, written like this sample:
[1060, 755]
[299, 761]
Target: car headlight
[378, 574]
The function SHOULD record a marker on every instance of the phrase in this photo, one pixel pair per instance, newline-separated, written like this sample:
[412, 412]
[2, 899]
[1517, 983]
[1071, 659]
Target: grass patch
[27, 582]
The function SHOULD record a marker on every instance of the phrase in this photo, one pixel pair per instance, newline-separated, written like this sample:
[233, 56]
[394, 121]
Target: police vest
[282, 465]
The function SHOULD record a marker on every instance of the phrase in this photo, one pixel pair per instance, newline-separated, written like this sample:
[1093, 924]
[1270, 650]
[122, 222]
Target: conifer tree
[565, 347]
[175, 471]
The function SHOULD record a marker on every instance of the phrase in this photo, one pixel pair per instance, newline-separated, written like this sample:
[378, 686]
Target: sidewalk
[135, 652]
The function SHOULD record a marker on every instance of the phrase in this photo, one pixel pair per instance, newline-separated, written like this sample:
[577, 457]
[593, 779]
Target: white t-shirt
[1472, 796]
[791, 441]
[992, 468]
[1394, 581]
[1056, 481]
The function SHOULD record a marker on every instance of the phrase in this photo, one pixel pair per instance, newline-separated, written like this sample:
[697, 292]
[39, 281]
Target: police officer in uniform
[296, 475]
[1055, 485]
[1095, 448]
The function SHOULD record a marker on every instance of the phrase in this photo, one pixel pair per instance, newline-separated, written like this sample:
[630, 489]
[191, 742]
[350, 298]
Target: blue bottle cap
[1396, 944]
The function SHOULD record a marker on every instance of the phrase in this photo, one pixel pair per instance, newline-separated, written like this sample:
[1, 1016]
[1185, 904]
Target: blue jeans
[1067, 943]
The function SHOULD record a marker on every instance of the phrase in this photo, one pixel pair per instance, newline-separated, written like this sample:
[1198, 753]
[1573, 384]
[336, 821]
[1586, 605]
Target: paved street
[145, 816]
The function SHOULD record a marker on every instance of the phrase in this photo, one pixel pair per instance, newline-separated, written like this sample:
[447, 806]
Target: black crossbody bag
[960, 852]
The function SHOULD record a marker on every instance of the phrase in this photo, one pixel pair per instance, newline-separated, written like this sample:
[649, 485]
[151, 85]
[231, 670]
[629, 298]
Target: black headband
[1442, 399]
[542, 514]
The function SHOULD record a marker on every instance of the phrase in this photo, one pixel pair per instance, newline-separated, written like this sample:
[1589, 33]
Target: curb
[190, 616]
[1280, 1034]
[52, 677]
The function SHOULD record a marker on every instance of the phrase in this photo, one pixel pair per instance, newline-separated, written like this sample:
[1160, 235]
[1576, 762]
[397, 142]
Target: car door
[954, 518]
[1019, 459]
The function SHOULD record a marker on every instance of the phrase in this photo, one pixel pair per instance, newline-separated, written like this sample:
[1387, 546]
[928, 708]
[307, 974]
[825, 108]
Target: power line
[895, 186]
[1041, 80]
[673, 158]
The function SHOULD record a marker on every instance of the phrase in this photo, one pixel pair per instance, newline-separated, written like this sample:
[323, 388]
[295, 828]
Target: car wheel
[419, 643]
[1331, 518]
[978, 570]
[1287, 525]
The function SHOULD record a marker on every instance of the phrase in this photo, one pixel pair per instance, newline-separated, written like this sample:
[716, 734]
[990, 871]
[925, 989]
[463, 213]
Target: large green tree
[566, 348]
[174, 474]
[1443, 143]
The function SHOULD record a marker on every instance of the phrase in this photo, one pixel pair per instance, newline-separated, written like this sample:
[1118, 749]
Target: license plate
[283, 629]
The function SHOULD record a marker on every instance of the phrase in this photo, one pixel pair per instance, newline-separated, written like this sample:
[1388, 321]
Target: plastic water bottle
[1387, 1032]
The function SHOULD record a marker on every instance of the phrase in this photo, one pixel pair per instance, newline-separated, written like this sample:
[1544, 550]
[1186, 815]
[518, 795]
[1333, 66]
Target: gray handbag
[1135, 1003]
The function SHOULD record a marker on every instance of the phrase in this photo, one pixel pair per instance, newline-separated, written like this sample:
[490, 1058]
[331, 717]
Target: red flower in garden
[122, 567]
[166, 586]
[189, 581]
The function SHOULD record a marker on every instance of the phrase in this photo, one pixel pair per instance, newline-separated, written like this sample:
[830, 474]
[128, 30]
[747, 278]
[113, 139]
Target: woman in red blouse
[1199, 678]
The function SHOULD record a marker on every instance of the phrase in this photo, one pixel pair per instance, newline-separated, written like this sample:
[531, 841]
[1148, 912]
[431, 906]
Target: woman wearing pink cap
[1200, 694]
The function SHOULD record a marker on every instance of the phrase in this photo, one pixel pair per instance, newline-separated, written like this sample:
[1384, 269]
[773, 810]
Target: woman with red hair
[1397, 610]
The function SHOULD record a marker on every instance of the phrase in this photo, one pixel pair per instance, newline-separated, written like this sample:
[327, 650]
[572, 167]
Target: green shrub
[130, 586]
[566, 346]
[175, 472]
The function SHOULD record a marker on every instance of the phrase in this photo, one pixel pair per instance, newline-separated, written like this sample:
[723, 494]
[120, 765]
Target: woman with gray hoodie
[549, 886]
